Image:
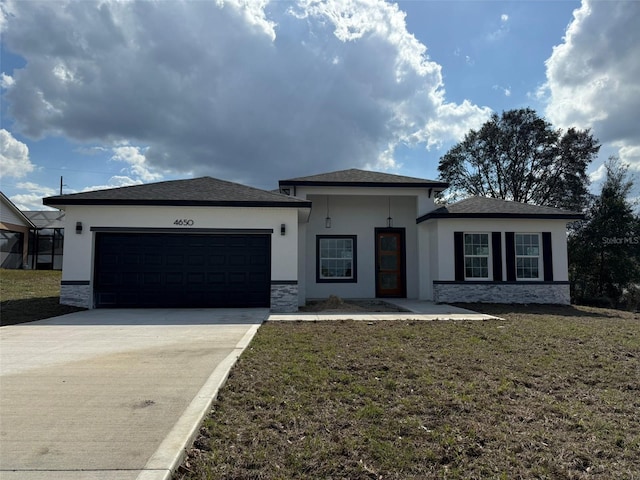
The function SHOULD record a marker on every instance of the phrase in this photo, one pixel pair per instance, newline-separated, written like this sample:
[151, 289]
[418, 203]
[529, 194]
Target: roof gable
[362, 178]
[13, 212]
[203, 191]
[484, 207]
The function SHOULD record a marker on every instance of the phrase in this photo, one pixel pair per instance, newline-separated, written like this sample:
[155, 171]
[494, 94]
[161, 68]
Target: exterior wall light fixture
[327, 220]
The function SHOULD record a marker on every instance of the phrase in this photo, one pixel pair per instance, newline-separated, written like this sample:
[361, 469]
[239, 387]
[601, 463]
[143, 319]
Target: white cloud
[245, 90]
[114, 182]
[629, 154]
[32, 199]
[502, 29]
[592, 76]
[14, 156]
[6, 81]
[135, 157]
[505, 90]
[598, 175]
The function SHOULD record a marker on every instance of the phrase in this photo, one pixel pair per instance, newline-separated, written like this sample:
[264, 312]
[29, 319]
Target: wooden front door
[390, 263]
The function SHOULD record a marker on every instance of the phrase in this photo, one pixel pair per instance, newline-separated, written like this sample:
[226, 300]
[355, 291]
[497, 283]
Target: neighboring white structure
[14, 235]
[352, 233]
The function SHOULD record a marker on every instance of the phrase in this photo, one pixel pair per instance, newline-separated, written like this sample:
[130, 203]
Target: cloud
[505, 90]
[138, 165]
[247, 91]
[14, 156]
[114, 182]
[6, 81]
[32, 200]
[592, 76]
[502, 29]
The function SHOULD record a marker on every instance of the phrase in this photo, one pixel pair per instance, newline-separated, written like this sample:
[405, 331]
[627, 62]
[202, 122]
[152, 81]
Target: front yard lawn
[549, 393]
[28, 295]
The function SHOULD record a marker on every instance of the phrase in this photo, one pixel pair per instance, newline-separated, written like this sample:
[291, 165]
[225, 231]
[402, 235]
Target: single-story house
[205, 242]
[14, 235]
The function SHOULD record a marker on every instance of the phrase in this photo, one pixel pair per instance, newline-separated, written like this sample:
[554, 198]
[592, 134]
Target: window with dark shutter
[547, 257]
[496, 247]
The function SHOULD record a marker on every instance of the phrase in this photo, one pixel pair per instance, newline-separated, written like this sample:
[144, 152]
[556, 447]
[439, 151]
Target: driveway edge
[171, 452]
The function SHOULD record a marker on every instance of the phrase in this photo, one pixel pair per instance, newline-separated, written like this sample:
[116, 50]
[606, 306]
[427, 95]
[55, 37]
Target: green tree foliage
[519, 156]
[604, 250]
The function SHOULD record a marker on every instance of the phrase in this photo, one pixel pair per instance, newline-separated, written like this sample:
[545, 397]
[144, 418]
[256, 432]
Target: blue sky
[110, 93]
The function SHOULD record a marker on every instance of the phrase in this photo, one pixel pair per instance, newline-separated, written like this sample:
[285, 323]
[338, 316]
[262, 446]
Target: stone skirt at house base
[284, 296]
[501, 292]
[76, 294]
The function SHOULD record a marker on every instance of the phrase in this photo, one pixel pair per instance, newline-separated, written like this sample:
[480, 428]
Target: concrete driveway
[112, 394]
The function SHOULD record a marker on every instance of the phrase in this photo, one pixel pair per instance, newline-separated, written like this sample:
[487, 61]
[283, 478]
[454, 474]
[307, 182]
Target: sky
[108, 93]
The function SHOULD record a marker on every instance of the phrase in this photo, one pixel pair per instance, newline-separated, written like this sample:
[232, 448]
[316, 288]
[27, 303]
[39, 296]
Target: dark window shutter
[547, 257]
[510, 251]
[458, 248]
[496, 253]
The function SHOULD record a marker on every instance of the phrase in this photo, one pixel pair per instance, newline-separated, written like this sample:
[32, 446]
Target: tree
[519, 156]
[604, 250]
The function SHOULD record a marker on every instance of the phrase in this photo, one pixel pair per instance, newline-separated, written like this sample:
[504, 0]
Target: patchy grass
[550, 395]
[28, 295]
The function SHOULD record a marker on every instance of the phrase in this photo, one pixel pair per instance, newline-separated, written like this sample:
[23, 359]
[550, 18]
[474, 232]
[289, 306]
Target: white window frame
[538, 257]
[353, 259]
[487, 256]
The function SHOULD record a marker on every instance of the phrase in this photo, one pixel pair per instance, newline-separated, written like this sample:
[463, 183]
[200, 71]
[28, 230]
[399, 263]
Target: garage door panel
[131, 259]
[173, 259]
[237, 260]
[216, 278]
[150, 259]
[215, 260]
[174, 278]
[182, 270]
[195, 260]
[129, 278]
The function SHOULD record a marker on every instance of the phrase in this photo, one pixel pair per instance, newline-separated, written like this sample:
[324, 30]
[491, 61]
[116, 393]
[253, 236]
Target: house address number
[184, 222]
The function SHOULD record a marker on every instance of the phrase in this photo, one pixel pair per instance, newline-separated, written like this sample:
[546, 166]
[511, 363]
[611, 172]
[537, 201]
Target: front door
[390, 263]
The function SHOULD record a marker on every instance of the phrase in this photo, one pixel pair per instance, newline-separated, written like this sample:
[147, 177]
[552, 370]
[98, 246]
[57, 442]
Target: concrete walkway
[112, 394]
[416, 310]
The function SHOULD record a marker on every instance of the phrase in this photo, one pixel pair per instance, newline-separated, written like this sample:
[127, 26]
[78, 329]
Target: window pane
[527, 255]
[476, 250]
[336, 257]
[388, 243]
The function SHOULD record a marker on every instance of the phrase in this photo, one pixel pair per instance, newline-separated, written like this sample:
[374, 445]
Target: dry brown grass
[549, 393]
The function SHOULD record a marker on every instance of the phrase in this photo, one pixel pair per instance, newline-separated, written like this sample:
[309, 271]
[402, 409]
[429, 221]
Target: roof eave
[313, 183]
[53, 201]
[547, 216]
[17, 211]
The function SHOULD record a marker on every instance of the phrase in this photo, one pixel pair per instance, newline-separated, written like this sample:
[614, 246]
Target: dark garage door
[182, 270]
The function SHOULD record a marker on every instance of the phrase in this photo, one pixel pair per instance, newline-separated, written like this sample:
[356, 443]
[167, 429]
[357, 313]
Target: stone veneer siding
[502, 292]
[76, 294]
[284, 296]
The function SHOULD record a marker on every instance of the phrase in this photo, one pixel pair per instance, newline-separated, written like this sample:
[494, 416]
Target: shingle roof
[362, 178]
[203, 191]
[483, 207]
